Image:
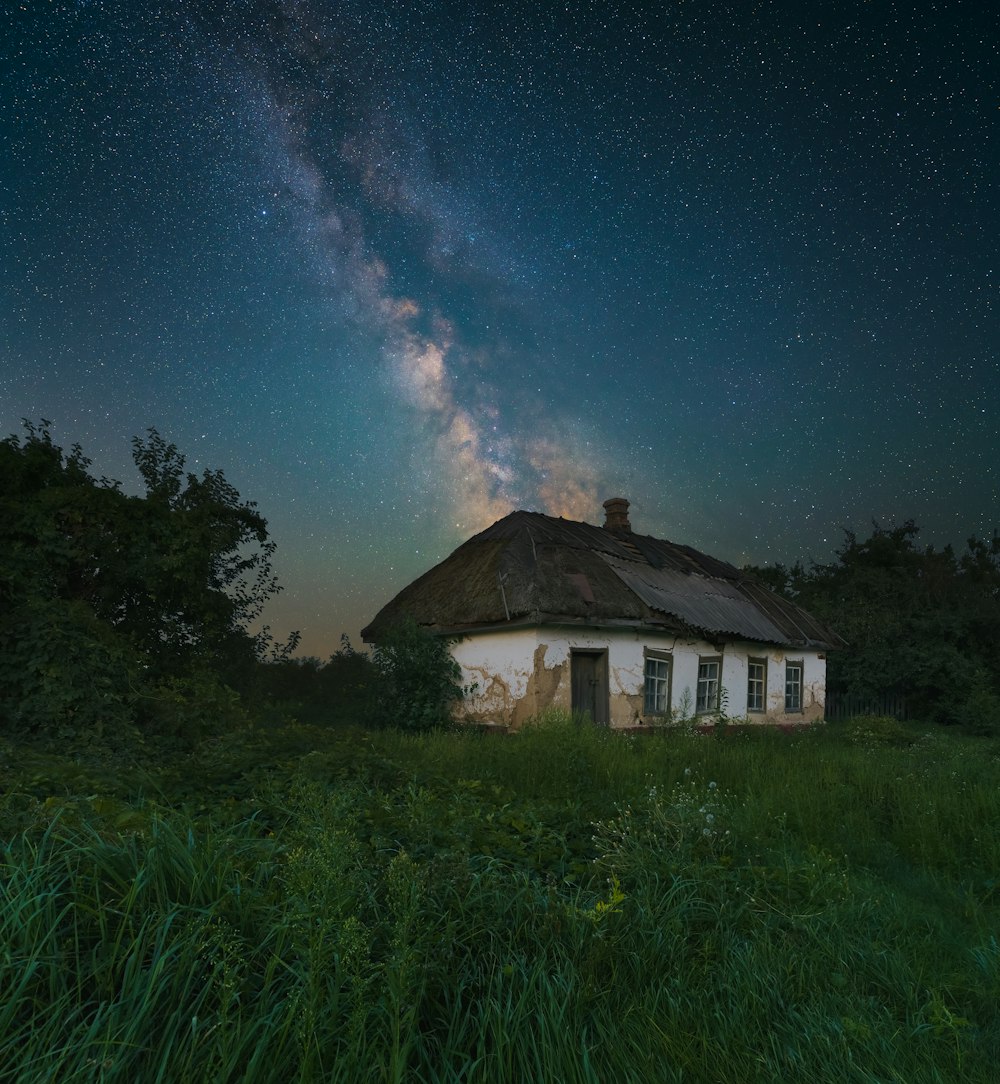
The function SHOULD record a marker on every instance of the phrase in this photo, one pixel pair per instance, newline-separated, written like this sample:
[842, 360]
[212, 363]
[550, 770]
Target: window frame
[752, 661]
[791, 708]
[653, 655]
[704, 706]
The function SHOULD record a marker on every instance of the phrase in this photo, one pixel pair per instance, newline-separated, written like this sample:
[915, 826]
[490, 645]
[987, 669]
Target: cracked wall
[523, 672]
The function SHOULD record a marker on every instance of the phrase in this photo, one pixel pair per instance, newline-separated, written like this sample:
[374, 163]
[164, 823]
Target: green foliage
[979, 710]
[343, 691]
[875, 730]
[392, 906]
[106, 595]
[63, 671]
[667, 830]
[201, 568]
[419, 680]
[919, 622]
[192, 707]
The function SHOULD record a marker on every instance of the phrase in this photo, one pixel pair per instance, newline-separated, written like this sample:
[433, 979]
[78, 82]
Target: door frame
[602, 699]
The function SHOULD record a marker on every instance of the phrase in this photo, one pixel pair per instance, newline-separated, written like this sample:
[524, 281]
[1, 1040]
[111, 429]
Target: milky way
[400, 268]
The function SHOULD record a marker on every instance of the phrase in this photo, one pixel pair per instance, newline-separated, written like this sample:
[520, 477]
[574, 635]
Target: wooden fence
[846, 705]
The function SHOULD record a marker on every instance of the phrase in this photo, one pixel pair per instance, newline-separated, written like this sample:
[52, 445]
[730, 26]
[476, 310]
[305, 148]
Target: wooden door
[589, 684]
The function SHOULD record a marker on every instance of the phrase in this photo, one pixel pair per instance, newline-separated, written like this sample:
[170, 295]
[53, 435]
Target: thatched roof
[530, 569]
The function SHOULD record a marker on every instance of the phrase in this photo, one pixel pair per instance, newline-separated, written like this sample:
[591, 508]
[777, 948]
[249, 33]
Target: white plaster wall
[520, 672]
[736, 672]
[498, 665]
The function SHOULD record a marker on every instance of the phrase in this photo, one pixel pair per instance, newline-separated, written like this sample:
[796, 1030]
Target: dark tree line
[919, 622]
[121, 610]
[409, 681]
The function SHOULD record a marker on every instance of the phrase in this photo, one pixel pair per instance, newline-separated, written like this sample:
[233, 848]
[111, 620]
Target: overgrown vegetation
[410, 681]
[211, 872]
[920, 623]
[134, 613]
[302, 904]
[418, 679]
[117, 607]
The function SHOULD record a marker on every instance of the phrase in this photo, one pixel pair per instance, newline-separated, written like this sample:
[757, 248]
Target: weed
[563, 904]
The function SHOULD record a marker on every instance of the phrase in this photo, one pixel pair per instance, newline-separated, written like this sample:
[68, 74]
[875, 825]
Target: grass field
[298, 904]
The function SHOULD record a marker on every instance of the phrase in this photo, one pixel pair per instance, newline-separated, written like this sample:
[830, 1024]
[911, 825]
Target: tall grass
[563, 905]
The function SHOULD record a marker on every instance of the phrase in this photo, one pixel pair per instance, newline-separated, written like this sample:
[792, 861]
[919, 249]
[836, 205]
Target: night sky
[399, 268]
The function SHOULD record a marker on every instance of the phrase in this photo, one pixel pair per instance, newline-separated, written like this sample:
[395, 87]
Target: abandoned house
[626, 628]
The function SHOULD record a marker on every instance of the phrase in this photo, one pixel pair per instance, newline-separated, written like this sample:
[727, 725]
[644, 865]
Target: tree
[921, 622]
[105, 594]
[203, 564]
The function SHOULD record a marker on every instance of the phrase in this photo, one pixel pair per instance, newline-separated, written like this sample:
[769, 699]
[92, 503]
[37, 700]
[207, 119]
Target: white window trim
[798, 664]
[756, 660]
[663, 657]
[708, 705]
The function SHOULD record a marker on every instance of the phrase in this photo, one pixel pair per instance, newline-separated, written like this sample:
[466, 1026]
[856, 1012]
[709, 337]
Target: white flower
[711, 786]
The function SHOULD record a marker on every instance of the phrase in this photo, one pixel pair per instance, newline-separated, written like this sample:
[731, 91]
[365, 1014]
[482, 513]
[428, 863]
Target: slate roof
[529, 569]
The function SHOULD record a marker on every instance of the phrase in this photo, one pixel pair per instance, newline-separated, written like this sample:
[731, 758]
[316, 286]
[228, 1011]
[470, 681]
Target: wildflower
[712, 785]
[687, 771]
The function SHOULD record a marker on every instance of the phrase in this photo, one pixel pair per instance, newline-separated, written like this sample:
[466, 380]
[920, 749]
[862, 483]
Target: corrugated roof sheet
[528, 566]
[714, 605]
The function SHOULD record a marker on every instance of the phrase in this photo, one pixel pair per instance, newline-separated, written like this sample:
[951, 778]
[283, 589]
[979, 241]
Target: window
[708, 685]
[656, 699]
[757, 685]
[793, 686]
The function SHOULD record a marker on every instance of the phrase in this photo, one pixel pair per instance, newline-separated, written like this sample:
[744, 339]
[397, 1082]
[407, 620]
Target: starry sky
[398, 268]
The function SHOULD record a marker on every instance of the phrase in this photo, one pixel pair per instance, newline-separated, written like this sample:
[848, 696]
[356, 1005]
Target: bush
[419, 680]
[979, 712]
[877, 730]
[62, 672]
[192, 708]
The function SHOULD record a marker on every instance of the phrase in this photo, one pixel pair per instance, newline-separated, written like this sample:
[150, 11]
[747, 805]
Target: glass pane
[793, 687]
[708, 687]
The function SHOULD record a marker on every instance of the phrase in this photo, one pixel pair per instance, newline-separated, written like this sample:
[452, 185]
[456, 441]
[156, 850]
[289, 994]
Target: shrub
[193, 707]
[62, 672]
[876, 730]
[979, 712]
[419, 681]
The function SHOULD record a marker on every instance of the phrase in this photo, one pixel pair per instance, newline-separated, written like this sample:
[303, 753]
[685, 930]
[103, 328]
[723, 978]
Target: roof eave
[669, 625]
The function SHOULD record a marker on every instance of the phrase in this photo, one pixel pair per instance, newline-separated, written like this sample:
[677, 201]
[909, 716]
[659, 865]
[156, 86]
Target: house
[630, 629]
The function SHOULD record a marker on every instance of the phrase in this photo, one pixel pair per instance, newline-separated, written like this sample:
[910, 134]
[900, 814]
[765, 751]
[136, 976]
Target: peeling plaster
[543, 684]
[514, 683]
[626, 702]
[493, 693]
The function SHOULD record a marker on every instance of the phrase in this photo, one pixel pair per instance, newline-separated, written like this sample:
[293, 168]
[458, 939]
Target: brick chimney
[616, 516]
